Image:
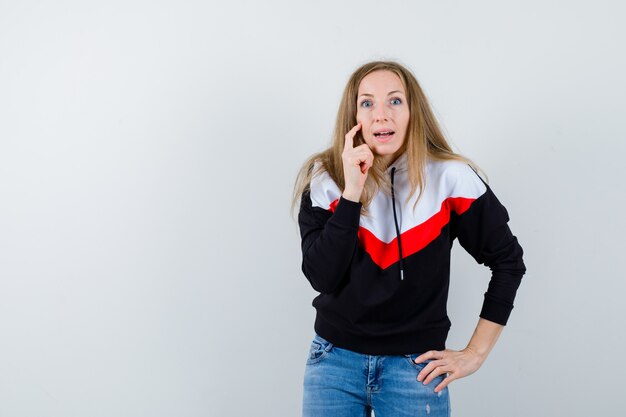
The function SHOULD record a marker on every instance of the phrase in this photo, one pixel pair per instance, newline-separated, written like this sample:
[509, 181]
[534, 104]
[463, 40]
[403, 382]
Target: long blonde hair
[424, 139]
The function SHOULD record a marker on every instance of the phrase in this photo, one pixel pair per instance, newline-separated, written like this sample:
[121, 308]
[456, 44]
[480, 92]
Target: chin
[386, 150]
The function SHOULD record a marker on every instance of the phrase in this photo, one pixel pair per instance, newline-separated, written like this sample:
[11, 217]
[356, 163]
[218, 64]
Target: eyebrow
[389, 93]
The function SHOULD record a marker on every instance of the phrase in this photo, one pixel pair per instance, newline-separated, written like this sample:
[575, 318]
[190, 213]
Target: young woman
[379, 212]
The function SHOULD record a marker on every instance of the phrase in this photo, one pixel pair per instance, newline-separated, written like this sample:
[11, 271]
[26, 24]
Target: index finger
[350, 136]
[431, 354]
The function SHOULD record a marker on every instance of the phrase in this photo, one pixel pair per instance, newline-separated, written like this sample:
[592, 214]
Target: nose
[380, 114]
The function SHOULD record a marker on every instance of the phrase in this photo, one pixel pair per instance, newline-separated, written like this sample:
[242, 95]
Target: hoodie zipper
[395, 220]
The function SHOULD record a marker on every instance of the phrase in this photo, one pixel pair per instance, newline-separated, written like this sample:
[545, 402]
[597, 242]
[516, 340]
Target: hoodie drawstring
[395, 220]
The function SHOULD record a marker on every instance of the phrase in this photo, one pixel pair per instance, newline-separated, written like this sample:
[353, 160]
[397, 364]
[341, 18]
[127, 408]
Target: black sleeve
[483, 232]
[329, 240]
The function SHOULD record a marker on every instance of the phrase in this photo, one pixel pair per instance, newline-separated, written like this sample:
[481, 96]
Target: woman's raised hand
[356, 163]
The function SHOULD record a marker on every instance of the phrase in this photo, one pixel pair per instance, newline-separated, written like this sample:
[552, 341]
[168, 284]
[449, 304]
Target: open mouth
[384, 136]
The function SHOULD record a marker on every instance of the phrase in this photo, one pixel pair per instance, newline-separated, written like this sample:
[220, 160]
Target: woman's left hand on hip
[456, 363]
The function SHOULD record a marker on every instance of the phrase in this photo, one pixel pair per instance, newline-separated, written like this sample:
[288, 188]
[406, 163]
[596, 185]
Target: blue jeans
[342, 383]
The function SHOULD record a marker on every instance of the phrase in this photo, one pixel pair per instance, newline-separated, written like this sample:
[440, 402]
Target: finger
[362, 152]
[368, 160]
[445, 382]
[364, 147]
[434, 374]
[363, 163]
[367, 163]
[428, 369]
[357, 156]
[357, 160]
[349, 143]
[363, 156]
[431, 354]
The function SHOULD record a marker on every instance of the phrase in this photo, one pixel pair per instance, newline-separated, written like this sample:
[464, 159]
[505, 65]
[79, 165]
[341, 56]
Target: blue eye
[396, 99]
[364, 102]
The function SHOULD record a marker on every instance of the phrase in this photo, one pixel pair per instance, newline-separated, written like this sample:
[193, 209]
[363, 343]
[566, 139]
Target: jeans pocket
[411, 359]
[320, 348]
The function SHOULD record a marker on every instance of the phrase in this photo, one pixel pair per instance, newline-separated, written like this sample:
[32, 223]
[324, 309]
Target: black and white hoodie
[383, 278]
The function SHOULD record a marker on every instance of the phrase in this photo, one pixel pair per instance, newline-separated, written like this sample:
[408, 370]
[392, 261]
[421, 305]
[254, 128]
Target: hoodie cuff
[495, 311]
[347, 214]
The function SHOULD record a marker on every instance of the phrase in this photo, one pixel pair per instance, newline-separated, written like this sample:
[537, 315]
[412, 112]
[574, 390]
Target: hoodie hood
[401, 164]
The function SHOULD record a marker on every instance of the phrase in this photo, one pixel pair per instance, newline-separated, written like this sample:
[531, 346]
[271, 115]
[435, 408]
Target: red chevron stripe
[414, 239]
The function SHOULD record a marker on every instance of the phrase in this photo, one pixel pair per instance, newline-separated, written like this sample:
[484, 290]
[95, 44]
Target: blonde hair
[424, 139]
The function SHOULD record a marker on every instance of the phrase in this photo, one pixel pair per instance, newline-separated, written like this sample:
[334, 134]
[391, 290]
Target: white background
[149, 265]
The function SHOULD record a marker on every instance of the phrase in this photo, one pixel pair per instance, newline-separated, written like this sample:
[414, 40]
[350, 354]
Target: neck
[390, 159]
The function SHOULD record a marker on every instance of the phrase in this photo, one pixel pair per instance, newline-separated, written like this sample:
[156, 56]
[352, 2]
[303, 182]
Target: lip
[384, 139]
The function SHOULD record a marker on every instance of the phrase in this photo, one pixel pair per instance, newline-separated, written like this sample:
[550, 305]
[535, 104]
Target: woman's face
[382, 107]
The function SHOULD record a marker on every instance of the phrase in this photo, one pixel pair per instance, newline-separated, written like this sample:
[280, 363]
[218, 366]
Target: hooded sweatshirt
[383, 278]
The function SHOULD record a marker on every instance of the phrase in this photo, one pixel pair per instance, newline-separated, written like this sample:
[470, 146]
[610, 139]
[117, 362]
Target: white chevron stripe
[444, 179]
